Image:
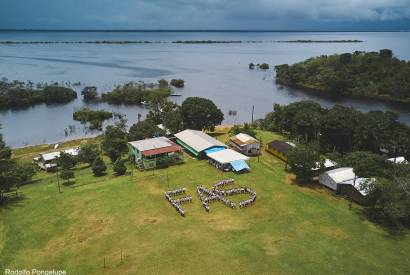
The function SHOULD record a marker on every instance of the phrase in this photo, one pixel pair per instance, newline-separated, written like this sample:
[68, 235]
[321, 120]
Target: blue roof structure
[239, 165]
[214, 149]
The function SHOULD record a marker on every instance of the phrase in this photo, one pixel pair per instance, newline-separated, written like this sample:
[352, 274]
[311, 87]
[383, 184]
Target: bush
[119, 167]
[67, 175]
[179, 83]
[99, 166]
[88, 153]
[89, 94]
[264, 66]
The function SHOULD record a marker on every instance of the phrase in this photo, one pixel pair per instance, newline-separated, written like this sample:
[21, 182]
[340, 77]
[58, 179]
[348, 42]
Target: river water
[216, 71]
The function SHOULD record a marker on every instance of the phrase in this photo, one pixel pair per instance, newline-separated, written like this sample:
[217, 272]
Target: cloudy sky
[205, 14]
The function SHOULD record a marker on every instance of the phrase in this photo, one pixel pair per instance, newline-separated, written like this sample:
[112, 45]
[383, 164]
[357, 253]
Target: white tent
[336, 176]
[227, 156]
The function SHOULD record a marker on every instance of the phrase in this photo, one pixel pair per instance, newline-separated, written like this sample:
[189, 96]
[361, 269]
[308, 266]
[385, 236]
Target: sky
[206, 14]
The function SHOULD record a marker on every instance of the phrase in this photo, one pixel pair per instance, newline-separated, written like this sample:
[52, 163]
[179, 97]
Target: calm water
[216, 71]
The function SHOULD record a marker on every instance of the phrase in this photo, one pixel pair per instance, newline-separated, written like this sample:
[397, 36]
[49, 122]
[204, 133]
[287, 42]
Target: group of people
[211, 195]
[249, 201]
[216, 194]
[176, 203]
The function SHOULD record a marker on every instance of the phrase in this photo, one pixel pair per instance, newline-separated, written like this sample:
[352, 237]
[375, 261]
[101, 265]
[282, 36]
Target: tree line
[16, 94]
[354, 139]
[360, 74]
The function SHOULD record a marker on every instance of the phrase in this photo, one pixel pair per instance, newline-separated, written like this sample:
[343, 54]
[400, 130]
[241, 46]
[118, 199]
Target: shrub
[264, 66]
[99, 166]
[119, 167]
[179, 83]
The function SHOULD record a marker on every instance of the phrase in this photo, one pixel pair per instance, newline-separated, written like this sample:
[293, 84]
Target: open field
[291, 228]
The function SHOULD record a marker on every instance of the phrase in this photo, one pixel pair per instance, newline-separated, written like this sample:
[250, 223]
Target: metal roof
[227, 156]
[281, 146]
[198, 140]
[340, 175]
[242, 139]
[54, 155]
[398, 160]
[152, 144]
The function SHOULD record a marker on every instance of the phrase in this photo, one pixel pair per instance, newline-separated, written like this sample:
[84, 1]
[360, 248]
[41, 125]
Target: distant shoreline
[192, 30]
[10, 42]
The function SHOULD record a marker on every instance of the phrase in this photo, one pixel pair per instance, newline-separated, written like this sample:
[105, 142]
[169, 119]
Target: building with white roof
[398, 160]
[245, 144]
[336, 176]
[197, 142]
[344, 182]
[47, 161]
[229, 159]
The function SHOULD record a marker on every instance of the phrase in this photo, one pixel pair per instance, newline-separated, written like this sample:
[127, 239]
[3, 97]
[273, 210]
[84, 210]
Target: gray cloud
[199, 13]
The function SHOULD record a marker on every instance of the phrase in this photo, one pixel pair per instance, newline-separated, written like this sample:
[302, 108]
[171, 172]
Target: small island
[136, 92]
[18, 94]
[376, 75]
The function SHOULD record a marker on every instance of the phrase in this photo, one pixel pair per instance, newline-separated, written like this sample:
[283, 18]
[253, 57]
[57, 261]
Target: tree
[251, 66]
[338, 127]
[144, 129]
[114, 142]
[200, 113]
[99, 166]
[264, 66]
[389, 201]
[5, 151]
[302, 159]
[88, 153]
[245, 129]
[119, 167]
[172, 121]
[179, 83]
[365, 164]
[67, 174]
[66, 161]
[12, 174]
[89, 94]
[386, 53]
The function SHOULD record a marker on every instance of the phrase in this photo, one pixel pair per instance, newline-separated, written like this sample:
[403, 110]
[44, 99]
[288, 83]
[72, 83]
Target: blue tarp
[213, 150]
[239, 165]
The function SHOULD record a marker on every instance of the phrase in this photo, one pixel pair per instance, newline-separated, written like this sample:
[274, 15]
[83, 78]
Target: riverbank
[322, 92]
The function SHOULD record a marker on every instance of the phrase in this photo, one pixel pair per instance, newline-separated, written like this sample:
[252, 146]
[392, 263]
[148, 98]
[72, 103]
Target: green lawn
[291, 229]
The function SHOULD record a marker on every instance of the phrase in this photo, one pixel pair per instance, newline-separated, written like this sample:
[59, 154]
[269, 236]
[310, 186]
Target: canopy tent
[239, 165]
[227, 156]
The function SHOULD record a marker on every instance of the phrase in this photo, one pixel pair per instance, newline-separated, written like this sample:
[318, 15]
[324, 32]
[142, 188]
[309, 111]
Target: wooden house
[279, 149]
[245, 144]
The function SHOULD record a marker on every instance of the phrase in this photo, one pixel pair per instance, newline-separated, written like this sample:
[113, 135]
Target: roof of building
[50, 156]
[54, 155]
[357, 184]
[281, 146]
[198, 140]
[227, 156]
[155, 146]
[239, 165]
[398, 160]
[242, 139]
[340, 175]
[327, 164]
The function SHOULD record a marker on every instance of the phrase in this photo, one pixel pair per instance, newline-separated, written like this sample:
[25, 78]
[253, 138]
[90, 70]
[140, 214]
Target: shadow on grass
[8, 201]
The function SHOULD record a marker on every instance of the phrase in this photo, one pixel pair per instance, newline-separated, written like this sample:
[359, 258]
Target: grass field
[291, 228]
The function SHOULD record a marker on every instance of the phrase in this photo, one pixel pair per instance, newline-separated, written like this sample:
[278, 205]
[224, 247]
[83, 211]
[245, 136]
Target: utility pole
[253, 110]
[58, 182]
